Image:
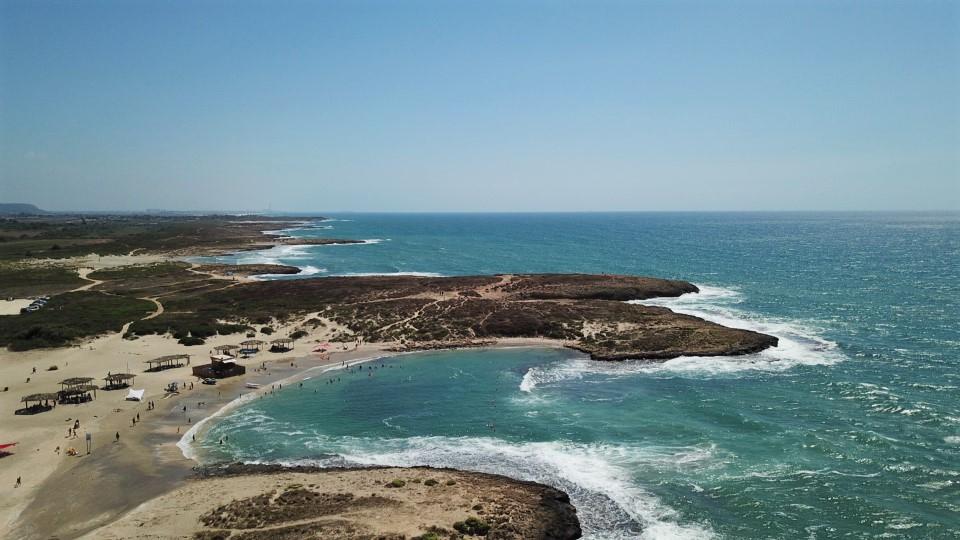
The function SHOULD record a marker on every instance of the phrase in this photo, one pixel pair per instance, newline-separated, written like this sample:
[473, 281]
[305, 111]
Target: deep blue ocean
[849, 429]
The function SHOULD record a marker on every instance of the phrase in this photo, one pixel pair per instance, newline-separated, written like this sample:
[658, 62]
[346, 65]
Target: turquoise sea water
[849, 429]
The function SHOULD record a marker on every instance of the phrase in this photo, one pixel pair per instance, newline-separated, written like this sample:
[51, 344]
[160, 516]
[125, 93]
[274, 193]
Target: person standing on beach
[18, 483]
[118, 436]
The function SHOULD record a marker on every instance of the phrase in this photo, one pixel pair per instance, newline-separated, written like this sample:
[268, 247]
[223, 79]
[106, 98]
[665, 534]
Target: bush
[428, 536]
[266, 330]
[472, 527]
[227, 329]
[451, 482]
[431, 482]
[396, 483]
[191, 340]
[52, 368]
[298, 334]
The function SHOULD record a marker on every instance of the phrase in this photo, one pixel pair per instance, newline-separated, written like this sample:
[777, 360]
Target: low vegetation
[69, 317]
[21, 280]
[62, 236]
[472, 527]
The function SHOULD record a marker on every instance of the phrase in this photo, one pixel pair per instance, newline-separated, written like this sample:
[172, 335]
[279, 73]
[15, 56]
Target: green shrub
[191, 340]
[431, 482]
[451, 482]
[227, 329]
[298, 334]
[266, 330]
[396, 483]
[472, 527]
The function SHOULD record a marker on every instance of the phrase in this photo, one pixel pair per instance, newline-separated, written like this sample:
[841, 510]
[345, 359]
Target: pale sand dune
[13, 307]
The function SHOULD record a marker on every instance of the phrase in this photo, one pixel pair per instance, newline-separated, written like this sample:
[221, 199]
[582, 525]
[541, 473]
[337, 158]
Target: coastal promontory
[251, 502]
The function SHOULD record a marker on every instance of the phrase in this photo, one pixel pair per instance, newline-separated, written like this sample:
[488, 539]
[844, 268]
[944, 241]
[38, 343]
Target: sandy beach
[148, 447]
[119, 475]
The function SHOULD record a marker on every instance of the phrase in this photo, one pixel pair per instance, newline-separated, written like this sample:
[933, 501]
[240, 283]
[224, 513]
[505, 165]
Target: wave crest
[596, 476]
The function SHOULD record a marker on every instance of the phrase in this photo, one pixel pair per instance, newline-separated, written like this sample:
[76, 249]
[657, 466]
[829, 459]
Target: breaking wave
[305, 271]
[610, 505]
[800, 345]
[370, 274]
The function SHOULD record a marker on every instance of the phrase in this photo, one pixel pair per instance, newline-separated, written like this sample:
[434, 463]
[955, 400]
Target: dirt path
[83, 272]
[155, 313]
[495, 290]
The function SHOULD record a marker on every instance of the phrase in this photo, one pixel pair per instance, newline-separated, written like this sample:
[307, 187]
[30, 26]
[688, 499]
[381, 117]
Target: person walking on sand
[118, 436]
[18, 483]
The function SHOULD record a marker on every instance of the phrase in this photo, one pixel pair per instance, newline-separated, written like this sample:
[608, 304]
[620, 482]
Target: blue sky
[480, 106]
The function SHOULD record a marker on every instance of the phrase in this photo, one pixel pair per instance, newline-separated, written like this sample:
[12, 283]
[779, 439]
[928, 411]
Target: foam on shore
[596, 476]
[373, 274]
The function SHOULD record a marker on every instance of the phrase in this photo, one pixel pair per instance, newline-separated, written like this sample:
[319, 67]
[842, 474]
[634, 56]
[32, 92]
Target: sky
[457, 105]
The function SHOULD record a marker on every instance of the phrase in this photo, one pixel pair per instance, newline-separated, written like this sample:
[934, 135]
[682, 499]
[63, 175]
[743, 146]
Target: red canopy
[8, 445]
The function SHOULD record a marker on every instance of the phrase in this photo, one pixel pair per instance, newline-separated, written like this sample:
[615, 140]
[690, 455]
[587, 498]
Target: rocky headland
[251, 502]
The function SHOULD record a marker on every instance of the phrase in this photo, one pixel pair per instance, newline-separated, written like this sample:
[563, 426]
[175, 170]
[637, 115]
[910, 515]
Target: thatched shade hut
[74, 382]
[40, 402]
[252, 345]
[226, 349]
[281, 344]
[114, 381]
[77, 390]
[167, 362]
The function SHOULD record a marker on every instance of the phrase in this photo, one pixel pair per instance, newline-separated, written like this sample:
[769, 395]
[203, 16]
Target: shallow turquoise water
[851, 428]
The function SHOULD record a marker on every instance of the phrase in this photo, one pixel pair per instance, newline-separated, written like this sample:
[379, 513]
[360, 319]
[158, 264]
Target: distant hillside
[8, 209]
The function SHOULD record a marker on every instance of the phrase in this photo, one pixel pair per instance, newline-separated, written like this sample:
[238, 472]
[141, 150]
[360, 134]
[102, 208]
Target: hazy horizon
[480, 107]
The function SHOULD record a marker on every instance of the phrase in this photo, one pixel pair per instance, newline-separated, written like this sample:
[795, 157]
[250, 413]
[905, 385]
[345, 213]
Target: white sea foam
[596, 476]
[307, 270]
[185, 443]
[952, 439]
[369, 274]
[799, 343]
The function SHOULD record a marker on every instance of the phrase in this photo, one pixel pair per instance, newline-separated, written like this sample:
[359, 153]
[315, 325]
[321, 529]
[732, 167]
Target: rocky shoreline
[389, 503]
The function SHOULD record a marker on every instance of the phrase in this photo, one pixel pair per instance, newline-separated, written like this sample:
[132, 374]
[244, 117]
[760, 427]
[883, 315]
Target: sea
[850, 428]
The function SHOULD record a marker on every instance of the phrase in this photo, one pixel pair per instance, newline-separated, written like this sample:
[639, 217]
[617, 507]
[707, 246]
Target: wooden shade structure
[281, 344]
[118, 380]
[252, 344]
[166, 362]
[38, 403]
[75, 382]
[41, 401]
[77, 390]
[219, 368]
[226, 348]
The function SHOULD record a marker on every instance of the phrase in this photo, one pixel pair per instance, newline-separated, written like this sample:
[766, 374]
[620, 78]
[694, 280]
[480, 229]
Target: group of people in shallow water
[351, 369]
